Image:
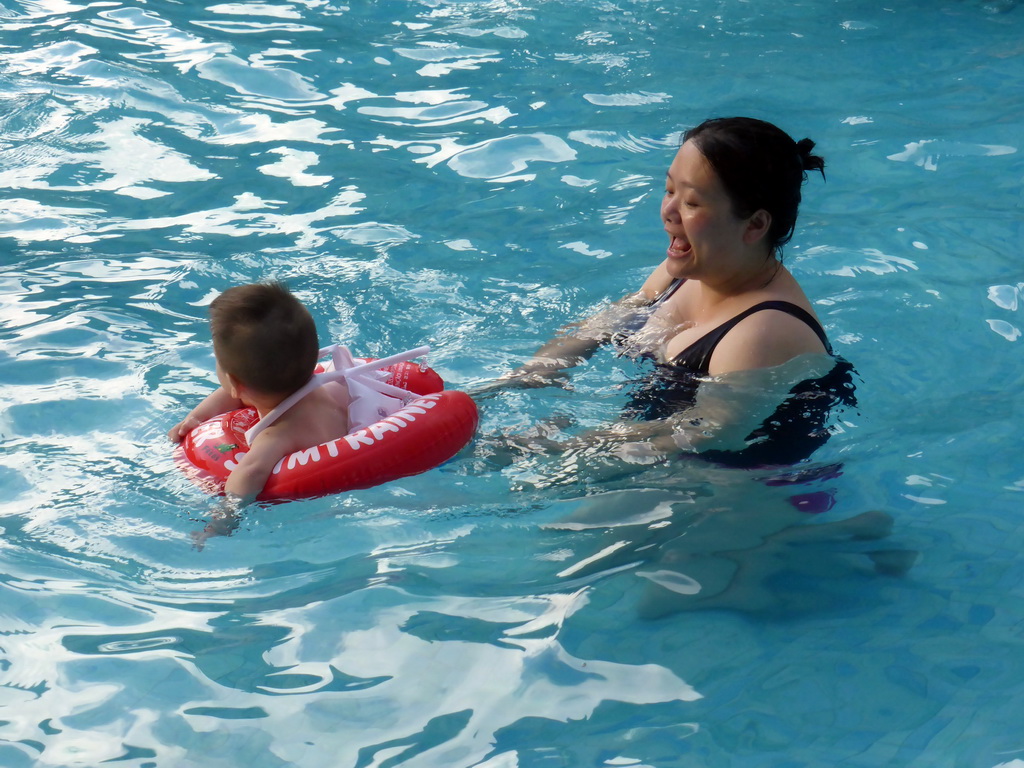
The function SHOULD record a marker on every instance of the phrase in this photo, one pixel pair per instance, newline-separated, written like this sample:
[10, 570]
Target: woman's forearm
[602, 455]
[577, 342]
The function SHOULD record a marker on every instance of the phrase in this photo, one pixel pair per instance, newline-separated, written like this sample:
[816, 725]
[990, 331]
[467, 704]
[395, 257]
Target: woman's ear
[757, 226]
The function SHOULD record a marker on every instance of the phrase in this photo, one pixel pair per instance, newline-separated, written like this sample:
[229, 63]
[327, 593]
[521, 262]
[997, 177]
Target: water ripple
[475, 175]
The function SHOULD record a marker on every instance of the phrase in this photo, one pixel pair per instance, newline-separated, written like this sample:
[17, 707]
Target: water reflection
[400, 156]
[759, 554]
[393, 666]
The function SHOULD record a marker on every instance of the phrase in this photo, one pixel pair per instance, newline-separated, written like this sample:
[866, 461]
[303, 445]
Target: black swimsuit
[697, 356]
[796, 429]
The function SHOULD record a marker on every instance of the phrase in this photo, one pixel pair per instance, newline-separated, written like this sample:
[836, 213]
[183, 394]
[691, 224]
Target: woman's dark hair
[264, 337]
[760, 167]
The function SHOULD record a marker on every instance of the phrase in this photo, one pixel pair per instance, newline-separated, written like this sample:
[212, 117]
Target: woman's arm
[727, 409]
[574, 344]
[577, 342]
[597, 455]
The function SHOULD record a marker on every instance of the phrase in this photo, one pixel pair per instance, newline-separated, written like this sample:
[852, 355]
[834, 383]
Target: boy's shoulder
[317, 418]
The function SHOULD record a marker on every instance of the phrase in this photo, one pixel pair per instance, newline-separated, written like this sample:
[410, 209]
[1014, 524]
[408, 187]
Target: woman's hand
[522, 378]
[535, 378]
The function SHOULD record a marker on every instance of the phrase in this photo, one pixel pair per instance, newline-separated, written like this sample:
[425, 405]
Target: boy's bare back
[320, 416]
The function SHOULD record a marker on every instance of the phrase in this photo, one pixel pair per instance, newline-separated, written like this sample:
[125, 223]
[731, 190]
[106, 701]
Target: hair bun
[808, 161]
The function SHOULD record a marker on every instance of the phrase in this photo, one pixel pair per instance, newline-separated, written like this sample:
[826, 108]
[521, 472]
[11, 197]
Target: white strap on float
[371, 398]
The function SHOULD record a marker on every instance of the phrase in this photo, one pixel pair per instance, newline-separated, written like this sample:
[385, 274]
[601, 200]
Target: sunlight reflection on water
[474, 175]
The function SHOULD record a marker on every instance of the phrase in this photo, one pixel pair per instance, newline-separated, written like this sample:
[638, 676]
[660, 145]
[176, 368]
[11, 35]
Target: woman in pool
[743, 375]
[731, 332]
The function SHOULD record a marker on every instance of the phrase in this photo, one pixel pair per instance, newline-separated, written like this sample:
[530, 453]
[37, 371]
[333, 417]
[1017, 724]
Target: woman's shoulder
[657, 283]
[781, 306]
[776, 331]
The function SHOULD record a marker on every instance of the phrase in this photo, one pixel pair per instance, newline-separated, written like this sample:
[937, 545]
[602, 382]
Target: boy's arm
[223, 521]
[247, 479]
[242, 487]
[217, 402]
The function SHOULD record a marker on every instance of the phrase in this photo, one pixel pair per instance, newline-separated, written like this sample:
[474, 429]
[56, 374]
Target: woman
[721, 308]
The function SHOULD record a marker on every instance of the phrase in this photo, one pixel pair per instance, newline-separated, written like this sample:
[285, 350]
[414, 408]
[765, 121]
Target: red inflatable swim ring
[430, 426]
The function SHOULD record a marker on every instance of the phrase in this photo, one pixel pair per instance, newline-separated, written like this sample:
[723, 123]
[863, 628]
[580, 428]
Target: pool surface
[473, 175]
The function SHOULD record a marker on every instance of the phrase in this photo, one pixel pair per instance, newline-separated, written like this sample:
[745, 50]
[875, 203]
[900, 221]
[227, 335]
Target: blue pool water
[472, 175]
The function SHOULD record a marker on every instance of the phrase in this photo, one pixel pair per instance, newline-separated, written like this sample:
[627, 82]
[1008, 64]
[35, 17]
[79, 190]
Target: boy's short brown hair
[264, 337]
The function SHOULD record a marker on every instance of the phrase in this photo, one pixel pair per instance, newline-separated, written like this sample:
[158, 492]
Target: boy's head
[264, 337]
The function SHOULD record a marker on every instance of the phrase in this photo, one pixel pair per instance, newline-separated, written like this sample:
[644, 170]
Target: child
[266, 346]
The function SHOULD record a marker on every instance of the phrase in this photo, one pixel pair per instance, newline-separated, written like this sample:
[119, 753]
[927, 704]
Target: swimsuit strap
[667, 293]
[794, 310]
[344, 367]
[697, 356]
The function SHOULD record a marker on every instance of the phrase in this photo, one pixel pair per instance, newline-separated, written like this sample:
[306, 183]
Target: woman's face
[707, 240]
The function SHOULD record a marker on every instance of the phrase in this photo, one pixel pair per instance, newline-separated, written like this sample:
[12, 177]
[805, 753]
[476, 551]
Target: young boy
[266, 346]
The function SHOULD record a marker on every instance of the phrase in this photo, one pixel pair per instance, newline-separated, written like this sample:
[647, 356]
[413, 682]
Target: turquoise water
[472, 175]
